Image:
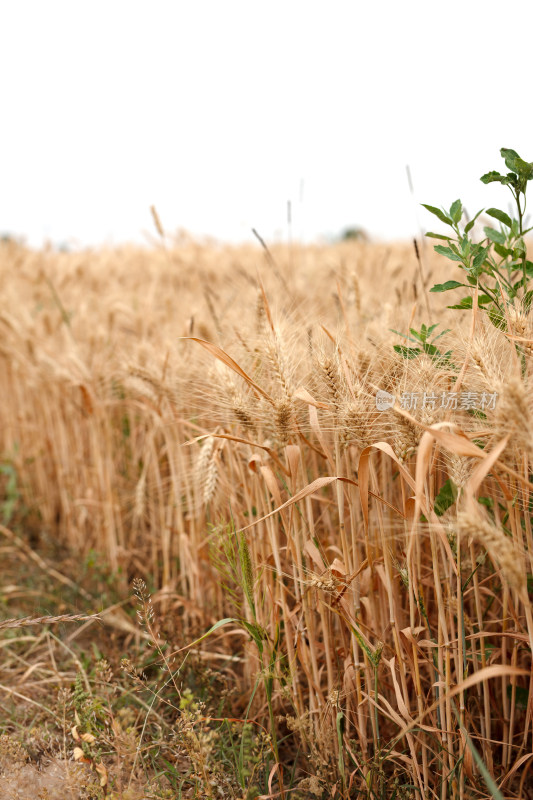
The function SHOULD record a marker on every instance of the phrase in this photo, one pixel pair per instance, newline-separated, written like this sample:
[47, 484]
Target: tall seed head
[207, 470]
[499, 546]
[521, 325]
[512, 413]
[406, 437]
[459, 469]
[245, 559]
[331, 375]
[283, 419]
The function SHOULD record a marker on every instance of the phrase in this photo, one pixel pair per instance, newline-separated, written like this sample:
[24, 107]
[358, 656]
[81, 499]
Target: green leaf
[448, 252]
[521, 696]
[488, 502]
[456, 210]
[445, 498]
[511, 179]
[491, 177]
[420, 336]
[445, 287]
[362, 643]
[476, 412]
[517, 164]
[442, 333]
[503, 252]
[211, 630]
[470, 225]
[257, 633]
[480, 258]
[432, 235]
[519, 249]
[487, 777]
[501, 216]
[510, 157]
[497, 319]
[495, 236]
[528, 297]
[410, 338]
[466, 302]
[440, 214]
[466, 249]
[407, 352]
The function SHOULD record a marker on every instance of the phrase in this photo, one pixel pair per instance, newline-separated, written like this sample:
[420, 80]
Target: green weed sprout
[424, 345]
[498, 264]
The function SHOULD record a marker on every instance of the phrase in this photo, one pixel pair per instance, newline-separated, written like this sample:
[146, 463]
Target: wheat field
[202, 419]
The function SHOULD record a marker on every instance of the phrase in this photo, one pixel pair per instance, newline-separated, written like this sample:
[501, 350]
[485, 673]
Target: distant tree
[353, 233]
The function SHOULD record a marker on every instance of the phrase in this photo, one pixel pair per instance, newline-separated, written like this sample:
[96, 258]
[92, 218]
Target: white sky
[220, 112]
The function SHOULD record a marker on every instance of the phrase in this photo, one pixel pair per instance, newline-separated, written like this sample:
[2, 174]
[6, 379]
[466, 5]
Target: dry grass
[204, 418]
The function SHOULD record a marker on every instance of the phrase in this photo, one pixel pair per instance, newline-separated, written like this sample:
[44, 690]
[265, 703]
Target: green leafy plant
[498, 264]
[233, 560]
[11, 493]
[445, 498]
[428, 347]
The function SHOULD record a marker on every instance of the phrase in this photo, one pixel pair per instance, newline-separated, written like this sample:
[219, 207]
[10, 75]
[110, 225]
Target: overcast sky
[220, 112]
